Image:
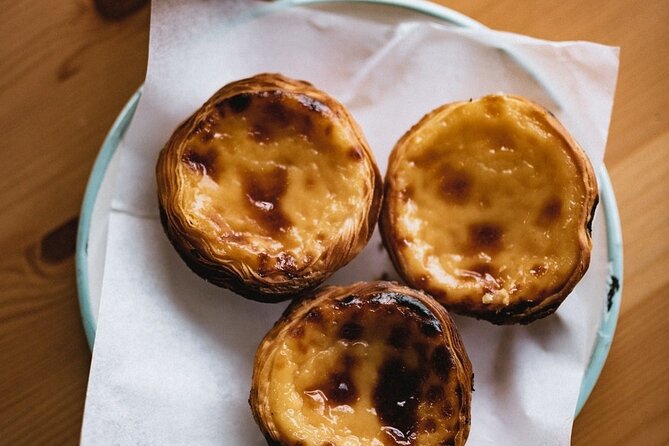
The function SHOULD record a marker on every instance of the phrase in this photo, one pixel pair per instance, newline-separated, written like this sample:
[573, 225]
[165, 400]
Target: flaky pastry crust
[488, 207]
[268, 188]
[370, 363]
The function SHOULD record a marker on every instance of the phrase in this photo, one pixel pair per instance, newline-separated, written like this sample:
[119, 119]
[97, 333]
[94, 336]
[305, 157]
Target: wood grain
[66, 72]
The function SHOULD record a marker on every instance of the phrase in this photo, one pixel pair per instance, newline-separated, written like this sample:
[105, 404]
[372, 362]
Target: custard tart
[268, 188]
[373, 363]
[488, 207]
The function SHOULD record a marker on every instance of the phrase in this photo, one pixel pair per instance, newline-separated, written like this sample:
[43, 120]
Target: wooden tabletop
[67, 71]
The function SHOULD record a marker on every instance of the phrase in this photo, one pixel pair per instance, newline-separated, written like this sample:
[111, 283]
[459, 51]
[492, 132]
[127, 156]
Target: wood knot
[59, 244]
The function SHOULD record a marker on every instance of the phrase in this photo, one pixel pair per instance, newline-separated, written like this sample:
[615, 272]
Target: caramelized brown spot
[417, 308]
[307, 125]
[264, 192]
[327, 443]
[399, 336]
[396, 399]
[485, 237]
[200, 162]
[349, 361]
[421, 349]
[427, 159]
[430, 426]
[447, 442]
[351, 331]
[279, 365]
[550, 212]
[328, 130]
[302, 347]
[441, 362]
[276, 112]
[355, 153]
[538, 270]
[297, 332]
[429, 329]
[435, 394]
[340, 388]
[260, 134]
[238, 103]
[455, 186]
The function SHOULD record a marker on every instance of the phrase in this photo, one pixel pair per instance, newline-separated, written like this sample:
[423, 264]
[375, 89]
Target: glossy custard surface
[488, 204]
[366, 371]
[272, 174]
[270, 187]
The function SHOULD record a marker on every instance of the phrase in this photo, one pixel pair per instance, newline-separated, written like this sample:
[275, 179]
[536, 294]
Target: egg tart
[373, 363]
[268, 188]
[488, 207]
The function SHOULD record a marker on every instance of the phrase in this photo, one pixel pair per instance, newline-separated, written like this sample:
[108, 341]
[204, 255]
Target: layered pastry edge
[526, 310]
[266, 111]
[360, 323]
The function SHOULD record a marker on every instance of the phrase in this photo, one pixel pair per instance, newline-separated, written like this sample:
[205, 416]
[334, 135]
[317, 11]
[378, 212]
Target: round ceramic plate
[92, 235]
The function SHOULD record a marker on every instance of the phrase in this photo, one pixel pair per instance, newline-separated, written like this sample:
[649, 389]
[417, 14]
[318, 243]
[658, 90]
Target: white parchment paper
[173, 354]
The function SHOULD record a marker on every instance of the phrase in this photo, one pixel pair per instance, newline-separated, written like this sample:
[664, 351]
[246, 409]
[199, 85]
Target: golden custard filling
[361, 373]
[491, 204]
[268, 188]
[272, 178]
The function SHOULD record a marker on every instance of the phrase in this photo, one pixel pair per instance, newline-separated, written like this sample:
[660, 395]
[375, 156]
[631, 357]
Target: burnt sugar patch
[485, 236]
[396, 399]
[455, 186]
[351, 331]
[441, 362]
[236, 104]
[338, 388]
[203, 162]
[264, 192]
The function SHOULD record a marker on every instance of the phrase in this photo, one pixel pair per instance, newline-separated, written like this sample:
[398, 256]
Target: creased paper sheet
[173, 354]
